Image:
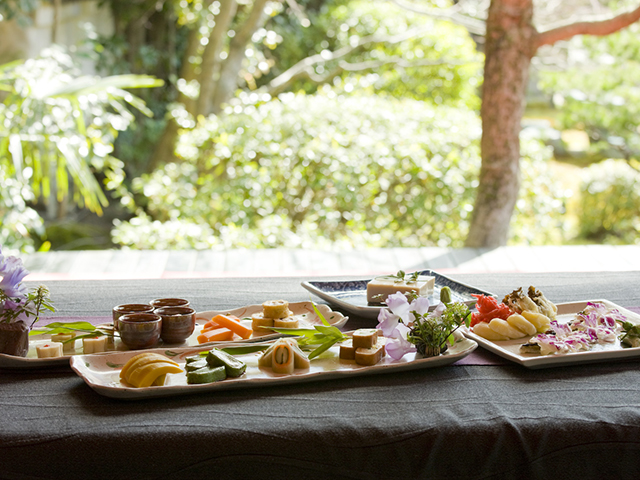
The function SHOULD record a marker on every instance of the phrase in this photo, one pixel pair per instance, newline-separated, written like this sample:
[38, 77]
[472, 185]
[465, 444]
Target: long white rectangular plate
[101, 371]
[303, 310]
[510, 349]
[351, 295]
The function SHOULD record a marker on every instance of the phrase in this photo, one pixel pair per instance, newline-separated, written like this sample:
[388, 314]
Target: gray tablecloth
[452, 422]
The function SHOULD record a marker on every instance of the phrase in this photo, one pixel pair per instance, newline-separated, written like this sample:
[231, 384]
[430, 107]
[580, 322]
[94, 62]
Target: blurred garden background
[205, 124]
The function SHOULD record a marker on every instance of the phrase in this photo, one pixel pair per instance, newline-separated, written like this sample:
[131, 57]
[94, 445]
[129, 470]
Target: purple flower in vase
[13, 272]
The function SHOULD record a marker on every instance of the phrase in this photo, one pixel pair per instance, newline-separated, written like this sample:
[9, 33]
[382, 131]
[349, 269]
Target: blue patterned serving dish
[351, 295]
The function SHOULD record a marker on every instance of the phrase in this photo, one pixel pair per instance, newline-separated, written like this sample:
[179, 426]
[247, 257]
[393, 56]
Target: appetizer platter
[352, 295]
[170, 375]
[302, 312]
[528, 329]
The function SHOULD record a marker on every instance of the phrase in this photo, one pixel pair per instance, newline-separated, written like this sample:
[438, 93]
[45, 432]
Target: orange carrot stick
[210, 325]
[232, 323]
[215, 335]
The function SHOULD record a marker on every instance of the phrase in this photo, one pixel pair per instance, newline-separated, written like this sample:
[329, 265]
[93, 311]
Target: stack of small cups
[143, 325]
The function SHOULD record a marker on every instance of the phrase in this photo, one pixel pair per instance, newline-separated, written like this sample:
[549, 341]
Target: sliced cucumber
[233, 366]
[206, 375]
[191, 366]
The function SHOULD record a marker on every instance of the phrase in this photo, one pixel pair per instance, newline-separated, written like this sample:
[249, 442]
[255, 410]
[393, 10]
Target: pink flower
[394, 321]
[397, 345]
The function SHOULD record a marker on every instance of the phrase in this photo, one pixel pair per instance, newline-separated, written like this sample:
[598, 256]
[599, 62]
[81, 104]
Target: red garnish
[488, 308]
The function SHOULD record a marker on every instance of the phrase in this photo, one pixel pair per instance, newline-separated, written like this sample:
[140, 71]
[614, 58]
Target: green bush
[326, 169]
[18, 222]
[609, 211]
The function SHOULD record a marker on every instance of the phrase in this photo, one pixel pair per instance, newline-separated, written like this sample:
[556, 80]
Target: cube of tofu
[380, 288]
[94, 345]
[67, 340]
[52, 349]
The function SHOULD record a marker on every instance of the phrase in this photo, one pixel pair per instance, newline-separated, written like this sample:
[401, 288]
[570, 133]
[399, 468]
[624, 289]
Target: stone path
[128, 264]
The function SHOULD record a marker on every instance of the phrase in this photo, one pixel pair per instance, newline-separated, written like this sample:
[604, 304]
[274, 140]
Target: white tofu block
[380, 288]
[94, 345]
[51, 349]
[67, 340]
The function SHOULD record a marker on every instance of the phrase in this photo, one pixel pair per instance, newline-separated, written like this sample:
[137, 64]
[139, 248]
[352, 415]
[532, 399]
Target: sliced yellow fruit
[146, 375]
[522, 324]
[541, 322]
[503, 328]
[140, 360]
[485, 331]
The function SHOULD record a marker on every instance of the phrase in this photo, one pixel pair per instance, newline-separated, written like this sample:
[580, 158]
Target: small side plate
[351, 295]
[510, 349]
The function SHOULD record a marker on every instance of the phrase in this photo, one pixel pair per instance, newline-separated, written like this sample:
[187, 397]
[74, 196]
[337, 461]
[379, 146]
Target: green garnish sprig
[86, 330]
[403, 277]
[631, 333]
[431, 333]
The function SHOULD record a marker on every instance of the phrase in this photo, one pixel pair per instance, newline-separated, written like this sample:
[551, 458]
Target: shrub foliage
[314, 170]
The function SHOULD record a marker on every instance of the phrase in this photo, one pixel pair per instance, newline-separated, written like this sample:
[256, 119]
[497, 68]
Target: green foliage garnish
[430, 333]
[631, 335]
[31, 306]
[322, 336]
[242, 350]
[64, 327]
[402, 277]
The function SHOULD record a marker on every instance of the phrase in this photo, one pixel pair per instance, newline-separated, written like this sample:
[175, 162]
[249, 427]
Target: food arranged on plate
[413, 285]
[165, 325]
[534, 320]
[148, 369]
[215, 367]
[305, 351]
[519, 315]
[284, 356]
[362, 297]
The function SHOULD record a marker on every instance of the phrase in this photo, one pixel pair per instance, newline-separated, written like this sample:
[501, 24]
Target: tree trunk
[510, 45]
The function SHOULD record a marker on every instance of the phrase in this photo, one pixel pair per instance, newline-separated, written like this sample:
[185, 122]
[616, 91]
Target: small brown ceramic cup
[178, 323]
[140, 330]
[125, 309]
[169, 302]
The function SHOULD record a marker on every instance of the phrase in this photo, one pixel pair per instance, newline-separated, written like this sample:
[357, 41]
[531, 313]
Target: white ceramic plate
[351, 295]
[101, 371]
[304, 311]
[510, 349]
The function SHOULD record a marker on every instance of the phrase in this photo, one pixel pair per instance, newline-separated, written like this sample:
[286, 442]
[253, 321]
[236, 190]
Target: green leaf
[330, 331]
[169, 353]
[114, 365]
[323, 348]
[244, 349]
[320, 316]
[64, 327]
[306, 332]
